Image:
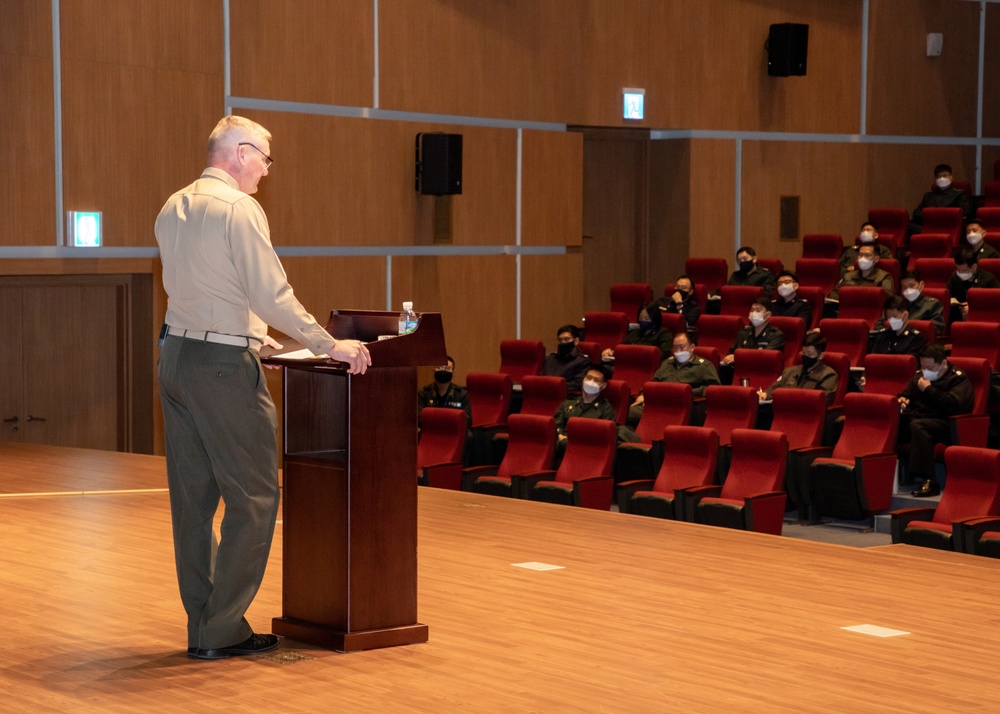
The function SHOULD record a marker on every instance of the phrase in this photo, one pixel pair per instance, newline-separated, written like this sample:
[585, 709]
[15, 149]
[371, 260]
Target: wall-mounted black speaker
[787, 46]
[439, 164]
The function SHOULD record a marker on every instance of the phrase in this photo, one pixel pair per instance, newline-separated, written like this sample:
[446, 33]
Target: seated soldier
[867, 236]
[445, 393]
[967, 275]
[749, 273]
[682, 301]
[897, 337]
[921, 307]
[591, 404]
[650, 332]
[567, 362]
[935, 393]
[943, 195]
[789, 303]
[975, 237]
[760, 334]
[866, 274]
[813, 373]
[682, 367]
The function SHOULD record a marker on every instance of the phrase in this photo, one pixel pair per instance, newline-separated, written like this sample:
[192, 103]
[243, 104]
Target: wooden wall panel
[26, 28]
[813, 172]
[551, 188]
[913, 94]
[723, 83]
[482, 58]
[27, 187]
[27, 128]
[142, 88]
[551, 295]
[322, 284]
[991, 87]
[303, 50]
[108, 153]
[183, 35]
[350, 182]
[713, 199]
[476, 298]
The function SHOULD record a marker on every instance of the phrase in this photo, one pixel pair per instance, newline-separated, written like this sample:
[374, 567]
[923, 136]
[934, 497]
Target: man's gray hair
[230, 131]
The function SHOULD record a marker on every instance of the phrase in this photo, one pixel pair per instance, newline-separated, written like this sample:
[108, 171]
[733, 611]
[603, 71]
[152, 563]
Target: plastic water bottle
[407, 319]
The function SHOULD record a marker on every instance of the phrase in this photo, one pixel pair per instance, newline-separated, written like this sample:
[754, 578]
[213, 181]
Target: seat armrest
[970, 429]
[902, 517]
[627, 488]
[594, 492]
[966, 534]
[447, 475]
[470, 475]
[521, 484]
[693, 496]
[877, 473]
[765, 512]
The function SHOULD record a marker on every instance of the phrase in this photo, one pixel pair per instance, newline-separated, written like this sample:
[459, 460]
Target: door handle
[11, 420]
[34, 418]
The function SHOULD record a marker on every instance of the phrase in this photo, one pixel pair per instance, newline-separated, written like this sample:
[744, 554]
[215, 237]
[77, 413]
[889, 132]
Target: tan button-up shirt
[220, 271]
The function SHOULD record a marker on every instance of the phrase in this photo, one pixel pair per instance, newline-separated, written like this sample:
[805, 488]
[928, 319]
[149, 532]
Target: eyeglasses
[269, 160]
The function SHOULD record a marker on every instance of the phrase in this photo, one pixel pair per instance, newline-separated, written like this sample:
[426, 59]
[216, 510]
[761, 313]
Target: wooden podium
[350, 488]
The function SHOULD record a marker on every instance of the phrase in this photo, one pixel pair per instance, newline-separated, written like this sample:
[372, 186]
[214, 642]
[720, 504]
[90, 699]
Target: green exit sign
[83, 229]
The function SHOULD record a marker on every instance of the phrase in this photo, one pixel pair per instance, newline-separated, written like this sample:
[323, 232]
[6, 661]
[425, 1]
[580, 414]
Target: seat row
[838, 482]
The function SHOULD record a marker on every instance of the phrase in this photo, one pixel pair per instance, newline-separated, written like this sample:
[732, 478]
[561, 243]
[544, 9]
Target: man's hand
[964, 307]
[761, 395]
[677, 297]
[271, 342]
[638, 400]
[728, 359]
[354, 353]
[923, 384]
[608, 353]
[903, 403]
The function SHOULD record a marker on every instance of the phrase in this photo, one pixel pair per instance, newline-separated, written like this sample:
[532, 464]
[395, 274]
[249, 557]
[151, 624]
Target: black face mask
[645, 325]
[809, 362]
[566, 349]
[746, 266]
[442, 376]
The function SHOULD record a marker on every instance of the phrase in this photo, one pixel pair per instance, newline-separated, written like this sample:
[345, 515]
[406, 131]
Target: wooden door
[615, 220]
[11, 365]
[72, 364]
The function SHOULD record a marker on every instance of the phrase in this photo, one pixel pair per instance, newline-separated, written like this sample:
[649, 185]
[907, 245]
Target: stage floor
[642, 616]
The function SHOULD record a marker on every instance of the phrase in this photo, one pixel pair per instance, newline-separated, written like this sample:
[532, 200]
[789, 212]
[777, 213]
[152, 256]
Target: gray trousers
[220, 426]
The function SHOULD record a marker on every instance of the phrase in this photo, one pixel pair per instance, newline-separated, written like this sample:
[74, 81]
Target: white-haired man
[224, 286]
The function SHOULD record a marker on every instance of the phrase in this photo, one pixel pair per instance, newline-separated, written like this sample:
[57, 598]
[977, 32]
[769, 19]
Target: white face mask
[867, 236]
[785, 290]
[757, 318]
[895, 323]
[930, 375]
[591, 387]
[911, 294]
[963, 276]
[943, 182]
[974, 238]
[682, 357]
[865, 263]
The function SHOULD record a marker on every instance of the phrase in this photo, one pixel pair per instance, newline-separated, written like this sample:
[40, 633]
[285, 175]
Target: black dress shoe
[929, 488]
[254, 644]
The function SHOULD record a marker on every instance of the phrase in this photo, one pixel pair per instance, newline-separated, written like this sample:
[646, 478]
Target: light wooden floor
[647, 616]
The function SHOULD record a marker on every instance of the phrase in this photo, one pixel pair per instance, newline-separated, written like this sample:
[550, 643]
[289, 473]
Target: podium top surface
[422, 347]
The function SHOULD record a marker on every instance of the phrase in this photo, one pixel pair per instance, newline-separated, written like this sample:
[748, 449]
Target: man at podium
[224, 286]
